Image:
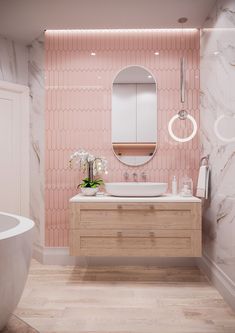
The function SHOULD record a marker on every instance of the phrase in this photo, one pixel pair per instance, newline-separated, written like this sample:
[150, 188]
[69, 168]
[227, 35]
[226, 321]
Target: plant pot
[89, 191]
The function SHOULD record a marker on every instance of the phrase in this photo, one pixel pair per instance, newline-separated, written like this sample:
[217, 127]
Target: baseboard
[218, 278]
[56, 256]
[60, 256]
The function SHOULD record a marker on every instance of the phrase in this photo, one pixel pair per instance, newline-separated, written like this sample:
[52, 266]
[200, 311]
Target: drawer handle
[119, 234]
[151, 234]
[119, 206]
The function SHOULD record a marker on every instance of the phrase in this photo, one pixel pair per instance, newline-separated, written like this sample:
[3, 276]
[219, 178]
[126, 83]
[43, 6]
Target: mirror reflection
[134, 116]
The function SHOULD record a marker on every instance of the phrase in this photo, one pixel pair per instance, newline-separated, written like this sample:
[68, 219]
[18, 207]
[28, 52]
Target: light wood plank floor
[61, 299]
[16, 325]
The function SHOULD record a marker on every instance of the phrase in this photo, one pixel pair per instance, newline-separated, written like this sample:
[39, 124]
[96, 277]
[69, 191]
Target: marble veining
[22, 65]
[13, 62]
[25, 65]
[37, 96]
[217, 98]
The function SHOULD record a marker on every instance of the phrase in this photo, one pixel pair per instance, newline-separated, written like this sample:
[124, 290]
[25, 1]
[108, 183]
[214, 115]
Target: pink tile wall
[78, 107]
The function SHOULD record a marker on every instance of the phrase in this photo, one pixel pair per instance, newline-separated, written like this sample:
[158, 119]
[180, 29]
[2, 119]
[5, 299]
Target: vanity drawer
[136, 216]
[185, 243]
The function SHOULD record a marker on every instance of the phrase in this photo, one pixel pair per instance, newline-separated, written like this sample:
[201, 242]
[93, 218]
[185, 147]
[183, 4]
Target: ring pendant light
[182, 114]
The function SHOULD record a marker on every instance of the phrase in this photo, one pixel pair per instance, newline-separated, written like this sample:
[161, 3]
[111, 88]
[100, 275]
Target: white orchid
[89, 163]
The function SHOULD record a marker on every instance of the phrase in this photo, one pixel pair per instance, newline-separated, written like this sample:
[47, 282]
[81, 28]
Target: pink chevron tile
[78, 113]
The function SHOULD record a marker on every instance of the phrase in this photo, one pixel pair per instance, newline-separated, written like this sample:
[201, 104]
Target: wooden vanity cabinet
[168, 229]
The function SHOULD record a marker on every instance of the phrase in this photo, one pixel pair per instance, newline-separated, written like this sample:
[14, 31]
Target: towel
[203, 182]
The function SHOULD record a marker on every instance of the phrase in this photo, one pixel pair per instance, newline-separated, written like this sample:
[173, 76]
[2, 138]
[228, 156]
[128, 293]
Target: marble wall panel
[217, 68]
[13, 61]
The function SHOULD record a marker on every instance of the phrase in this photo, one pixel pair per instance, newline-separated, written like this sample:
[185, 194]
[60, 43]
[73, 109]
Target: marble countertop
[107, 198]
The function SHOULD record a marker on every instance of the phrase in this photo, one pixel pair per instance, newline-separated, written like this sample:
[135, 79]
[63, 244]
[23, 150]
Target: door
[146, 113]
[14, 148]
[124, 113]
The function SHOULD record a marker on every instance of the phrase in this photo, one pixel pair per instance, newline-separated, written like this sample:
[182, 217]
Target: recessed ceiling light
[216, 52]
[150, 76]
[93, 53]
[182, 20]
[156, 53]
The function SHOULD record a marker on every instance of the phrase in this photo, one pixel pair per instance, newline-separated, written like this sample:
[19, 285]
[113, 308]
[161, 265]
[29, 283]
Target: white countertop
[107, 198]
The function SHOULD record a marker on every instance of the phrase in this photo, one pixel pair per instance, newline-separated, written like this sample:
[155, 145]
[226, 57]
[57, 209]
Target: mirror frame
[155, 150]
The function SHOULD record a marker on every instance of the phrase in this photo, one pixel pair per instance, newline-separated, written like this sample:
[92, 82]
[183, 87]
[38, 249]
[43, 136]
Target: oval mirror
[134, 116]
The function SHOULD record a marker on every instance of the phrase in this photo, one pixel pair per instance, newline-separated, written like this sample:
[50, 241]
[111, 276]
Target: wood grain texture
[74, 215]
[145, 229]
[134, 149]
[66, 299]
[16, 325]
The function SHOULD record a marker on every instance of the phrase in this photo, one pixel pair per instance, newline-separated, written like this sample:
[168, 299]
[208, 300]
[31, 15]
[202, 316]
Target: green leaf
[86, 182]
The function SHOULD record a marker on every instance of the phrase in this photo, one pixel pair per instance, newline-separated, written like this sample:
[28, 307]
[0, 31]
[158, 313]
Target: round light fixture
[182, 117]
[182, 20]
[93, 54]
[216, 129]
[156, 53]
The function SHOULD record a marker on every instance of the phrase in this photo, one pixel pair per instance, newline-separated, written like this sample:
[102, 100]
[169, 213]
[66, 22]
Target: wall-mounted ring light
[182, 116]
[216, 129]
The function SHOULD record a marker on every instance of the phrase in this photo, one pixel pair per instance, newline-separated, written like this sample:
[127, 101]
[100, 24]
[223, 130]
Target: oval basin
[136, 189]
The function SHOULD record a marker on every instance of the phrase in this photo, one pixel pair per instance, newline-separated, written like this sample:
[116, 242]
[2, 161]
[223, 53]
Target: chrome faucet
[135, 177]
[144, 176]
[126, 176]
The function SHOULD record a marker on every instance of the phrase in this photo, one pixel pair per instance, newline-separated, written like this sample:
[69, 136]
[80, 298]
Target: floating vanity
[167, 226]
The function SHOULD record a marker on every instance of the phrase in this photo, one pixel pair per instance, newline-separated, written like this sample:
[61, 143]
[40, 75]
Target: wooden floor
[16, 325]
[123, 299]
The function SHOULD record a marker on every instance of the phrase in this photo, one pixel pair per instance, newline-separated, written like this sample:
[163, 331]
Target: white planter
[89, 191]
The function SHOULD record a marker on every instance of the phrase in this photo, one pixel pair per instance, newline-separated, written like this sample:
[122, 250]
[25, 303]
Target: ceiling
[25, 20]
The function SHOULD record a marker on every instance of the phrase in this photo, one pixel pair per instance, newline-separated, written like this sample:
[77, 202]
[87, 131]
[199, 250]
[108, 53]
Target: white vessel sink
[136, 189]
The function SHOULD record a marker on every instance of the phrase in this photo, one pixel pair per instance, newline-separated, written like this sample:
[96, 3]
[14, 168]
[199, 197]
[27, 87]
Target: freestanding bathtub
[16, 236]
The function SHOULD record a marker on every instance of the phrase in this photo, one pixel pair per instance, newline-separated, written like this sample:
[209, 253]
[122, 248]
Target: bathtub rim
[24, 225]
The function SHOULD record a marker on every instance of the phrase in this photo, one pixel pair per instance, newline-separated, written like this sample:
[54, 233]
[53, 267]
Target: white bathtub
[16, 236]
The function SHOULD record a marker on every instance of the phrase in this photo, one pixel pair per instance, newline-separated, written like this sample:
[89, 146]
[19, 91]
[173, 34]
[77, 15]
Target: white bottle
[174, 186]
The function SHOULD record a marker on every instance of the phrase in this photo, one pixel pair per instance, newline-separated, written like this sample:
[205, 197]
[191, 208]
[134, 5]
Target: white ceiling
[24, 20]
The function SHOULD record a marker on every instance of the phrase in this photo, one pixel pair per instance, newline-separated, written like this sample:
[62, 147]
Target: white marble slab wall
[37, 115]
[218, 99]
[13, 61]
[25, 65]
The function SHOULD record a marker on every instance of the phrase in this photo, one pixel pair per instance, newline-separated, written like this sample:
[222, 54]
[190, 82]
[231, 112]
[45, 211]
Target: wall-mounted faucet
[144, 176]
[135, 177]
[126, 176]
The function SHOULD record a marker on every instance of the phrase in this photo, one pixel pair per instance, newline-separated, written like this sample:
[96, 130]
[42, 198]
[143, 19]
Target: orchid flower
[85, 160]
